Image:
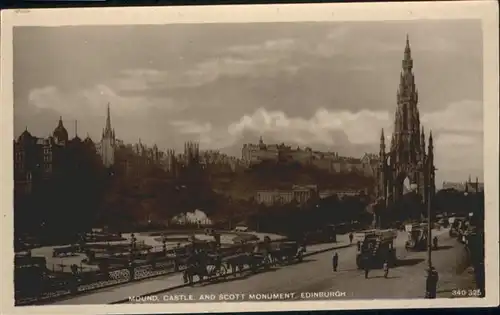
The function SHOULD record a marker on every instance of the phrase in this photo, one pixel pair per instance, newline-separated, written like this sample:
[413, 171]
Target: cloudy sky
[331, 86]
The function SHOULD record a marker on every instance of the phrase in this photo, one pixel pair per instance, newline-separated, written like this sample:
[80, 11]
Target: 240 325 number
[466, 292]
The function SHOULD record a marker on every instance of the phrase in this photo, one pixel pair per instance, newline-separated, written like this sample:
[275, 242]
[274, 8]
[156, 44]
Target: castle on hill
[331, 162]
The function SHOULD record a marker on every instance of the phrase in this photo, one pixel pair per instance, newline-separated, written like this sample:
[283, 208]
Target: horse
[257, 260]
[196, 266]
[236, 263]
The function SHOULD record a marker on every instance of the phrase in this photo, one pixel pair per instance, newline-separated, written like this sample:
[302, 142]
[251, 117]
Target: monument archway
[406, 185]
[403, 185]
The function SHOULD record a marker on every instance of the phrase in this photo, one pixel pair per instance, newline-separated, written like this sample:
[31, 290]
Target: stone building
[331, 162]
[107, 147]
[407, 157]
[299, 194]
[218, 162]
[466, 187]
[37, 159]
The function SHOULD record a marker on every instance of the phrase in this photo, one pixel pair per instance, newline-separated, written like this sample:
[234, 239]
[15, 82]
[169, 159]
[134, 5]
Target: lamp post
[432, 275]
[429, 169]
[429, 228]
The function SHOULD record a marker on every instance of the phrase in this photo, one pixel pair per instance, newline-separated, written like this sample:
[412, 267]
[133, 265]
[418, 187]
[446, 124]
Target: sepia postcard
[249, 158]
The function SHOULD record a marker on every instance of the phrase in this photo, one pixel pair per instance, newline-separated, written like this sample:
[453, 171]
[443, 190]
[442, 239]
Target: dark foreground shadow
[305, 260]
[230, 277]
[409, 262]
[381, 276]
[442, 248]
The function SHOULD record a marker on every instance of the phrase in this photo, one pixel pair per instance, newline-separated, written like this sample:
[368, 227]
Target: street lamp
[432, 275]
[429, 228]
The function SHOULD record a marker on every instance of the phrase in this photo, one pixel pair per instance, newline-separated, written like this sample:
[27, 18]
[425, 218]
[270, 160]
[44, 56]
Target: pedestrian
[351, 236]
[435, 242]
[359, 246]
[74, 269]
[386, 269]
[431, 283]
[335, 261]
[366, 267]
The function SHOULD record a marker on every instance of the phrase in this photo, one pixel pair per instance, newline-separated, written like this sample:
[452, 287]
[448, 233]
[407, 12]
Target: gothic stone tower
[191, 153]
[108, 143]
[407, 157]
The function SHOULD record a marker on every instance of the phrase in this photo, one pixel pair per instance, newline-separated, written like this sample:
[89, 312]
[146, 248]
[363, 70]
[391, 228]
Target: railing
[65, 285]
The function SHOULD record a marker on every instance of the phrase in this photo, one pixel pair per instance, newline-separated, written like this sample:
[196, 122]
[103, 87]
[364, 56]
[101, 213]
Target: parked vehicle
[376, 247]
[417, 236]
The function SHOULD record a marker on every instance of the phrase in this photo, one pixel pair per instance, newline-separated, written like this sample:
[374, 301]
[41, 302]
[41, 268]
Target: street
[315, 274]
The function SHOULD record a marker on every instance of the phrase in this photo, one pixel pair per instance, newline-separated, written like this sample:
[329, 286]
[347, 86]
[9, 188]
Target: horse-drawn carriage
[206, 266]
[286, 253]
[254, 261]
[215, 264]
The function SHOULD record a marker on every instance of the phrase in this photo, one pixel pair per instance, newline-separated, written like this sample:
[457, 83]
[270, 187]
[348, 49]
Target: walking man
[367, 270]
[351, 236]
[386, 269]
[431, 283]
[335, 261]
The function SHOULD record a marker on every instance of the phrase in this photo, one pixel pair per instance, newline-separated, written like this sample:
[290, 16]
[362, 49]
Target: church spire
[382, 143]
[108, 132]
[407, 60]
[108, 119]
[407, 47]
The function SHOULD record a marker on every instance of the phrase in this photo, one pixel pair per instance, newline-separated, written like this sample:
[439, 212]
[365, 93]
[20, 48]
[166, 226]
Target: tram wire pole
[429, 229]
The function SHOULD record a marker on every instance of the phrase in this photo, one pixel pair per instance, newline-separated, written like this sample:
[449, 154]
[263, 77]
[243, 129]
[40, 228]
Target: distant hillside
[272, 175]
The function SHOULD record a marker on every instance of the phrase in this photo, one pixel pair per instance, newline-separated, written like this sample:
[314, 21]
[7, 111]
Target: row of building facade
[301, 194]
[467, 186]
[35, 156]
[331, 162]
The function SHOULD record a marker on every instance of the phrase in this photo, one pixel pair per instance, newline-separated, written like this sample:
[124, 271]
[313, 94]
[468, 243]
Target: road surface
[315, 275]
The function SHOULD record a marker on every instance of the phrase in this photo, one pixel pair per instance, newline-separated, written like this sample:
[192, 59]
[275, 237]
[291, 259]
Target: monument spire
[407, 151]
